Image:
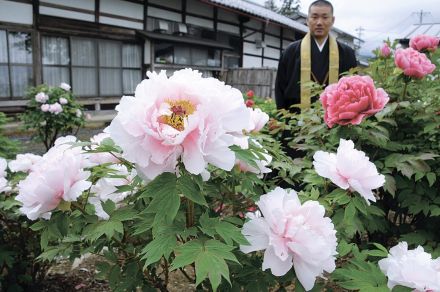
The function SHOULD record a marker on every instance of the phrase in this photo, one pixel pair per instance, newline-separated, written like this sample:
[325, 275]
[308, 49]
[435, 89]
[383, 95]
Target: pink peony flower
[45, 107]
[24, 162]
[41, 97]
[101, 157]
[62, 100]
[58, 175]
[349, 169]
[413, 63]
[55, 108]
[424, 42]
[258, 120]
[292, 235]
[351, 100]
[65, 86]
[385, 51]
[106, 189]
[183, 117]
[411, 268]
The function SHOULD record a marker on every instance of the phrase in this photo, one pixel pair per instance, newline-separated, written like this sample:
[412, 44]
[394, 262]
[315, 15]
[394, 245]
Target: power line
[421, 14]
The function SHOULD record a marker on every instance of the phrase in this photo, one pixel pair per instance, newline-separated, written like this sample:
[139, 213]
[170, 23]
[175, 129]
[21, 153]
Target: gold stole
[306, 70]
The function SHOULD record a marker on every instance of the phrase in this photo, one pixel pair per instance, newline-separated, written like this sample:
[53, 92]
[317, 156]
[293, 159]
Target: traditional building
[103, 48]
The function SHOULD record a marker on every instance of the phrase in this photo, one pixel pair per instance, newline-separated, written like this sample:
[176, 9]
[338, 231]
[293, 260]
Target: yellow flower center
[180, 109]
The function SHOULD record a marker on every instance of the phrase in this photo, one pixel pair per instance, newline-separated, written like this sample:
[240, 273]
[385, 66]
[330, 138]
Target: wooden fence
[260, 80]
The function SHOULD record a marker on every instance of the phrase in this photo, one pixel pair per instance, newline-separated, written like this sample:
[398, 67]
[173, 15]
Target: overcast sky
[379, 18]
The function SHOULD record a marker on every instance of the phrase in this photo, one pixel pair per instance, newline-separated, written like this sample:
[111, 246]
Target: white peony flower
[292, 235]
[411, 268]
[183, 117]
[65, 86]
[55, 108]
[41, 97]
[106, 189]
[58, 175]
[24, 162]
[349, 169]
[45, 107]
[3, 180]
[62, 100]
[258, 119]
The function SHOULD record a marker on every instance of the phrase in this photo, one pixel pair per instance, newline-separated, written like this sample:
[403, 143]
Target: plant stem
[189, 213]
[405, 87]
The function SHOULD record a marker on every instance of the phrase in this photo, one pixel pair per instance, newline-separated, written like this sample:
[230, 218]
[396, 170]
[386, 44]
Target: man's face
[320, 20]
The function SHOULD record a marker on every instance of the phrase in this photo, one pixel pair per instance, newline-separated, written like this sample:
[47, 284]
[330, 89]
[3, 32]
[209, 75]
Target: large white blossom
[184, 117]
[106, 188]
[292, 234]
[24, 162]
[58, 175]
[101, 157]
[349, 169]
[411, 268]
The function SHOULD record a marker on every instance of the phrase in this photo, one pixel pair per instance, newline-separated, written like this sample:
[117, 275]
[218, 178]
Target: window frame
[97, 66]
[10, 64]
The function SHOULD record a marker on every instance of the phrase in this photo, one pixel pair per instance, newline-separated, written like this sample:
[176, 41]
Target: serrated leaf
[209, 258]
[230, 233]
[191, 190]
[162, 245]
[163, 190]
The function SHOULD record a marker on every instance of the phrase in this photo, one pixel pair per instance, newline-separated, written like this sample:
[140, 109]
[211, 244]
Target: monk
[317, 57]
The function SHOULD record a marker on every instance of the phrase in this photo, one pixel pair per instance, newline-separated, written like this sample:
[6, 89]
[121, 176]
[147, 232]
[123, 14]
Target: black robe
[287, 84]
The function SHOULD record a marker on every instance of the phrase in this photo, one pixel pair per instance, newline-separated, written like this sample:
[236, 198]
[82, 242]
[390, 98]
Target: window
[97, 67]
[167, 53]
[15, 63]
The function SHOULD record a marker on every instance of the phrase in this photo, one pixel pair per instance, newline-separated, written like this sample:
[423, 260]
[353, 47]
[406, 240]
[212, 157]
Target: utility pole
[421, 14]
[359, 30]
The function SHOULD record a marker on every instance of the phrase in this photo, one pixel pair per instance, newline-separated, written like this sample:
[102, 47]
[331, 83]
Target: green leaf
[390, 185]
[431, 177]
[166, 201]
[360, 204]
[124, 214]
[107, 228]
[162, 245]
[230, 233]
[245, 155]
[209, 258]
[350, 211]
[191, 190]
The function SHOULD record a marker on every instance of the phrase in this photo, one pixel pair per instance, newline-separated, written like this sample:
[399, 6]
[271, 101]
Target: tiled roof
[432, 29]
[262, 12]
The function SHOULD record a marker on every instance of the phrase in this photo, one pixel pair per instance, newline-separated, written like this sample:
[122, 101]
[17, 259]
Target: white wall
[82, 4]
[161, 13]
[251, 62]
[200, 21]
[122, 8]
[252, 35]
[228, 28]
[66, 13]
[270, 63]
[249, 48]
[272, 53]
[120, 22]
[15, 12]
[272, 41]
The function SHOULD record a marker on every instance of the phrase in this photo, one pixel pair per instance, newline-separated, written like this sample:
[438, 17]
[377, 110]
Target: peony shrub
[52, 112]
[183, 183]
